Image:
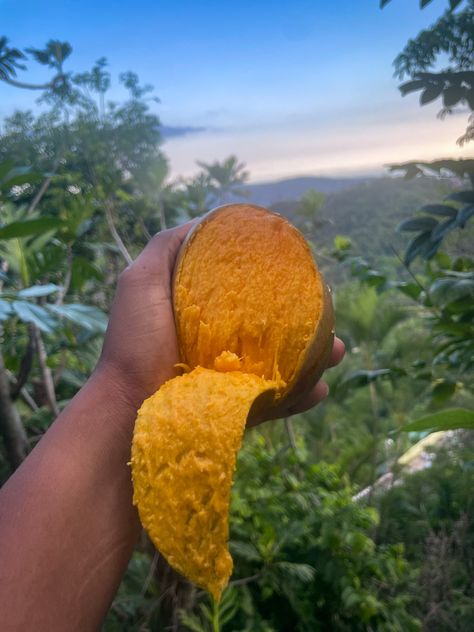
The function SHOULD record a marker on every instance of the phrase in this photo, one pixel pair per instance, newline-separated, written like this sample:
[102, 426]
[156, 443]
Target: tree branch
[28, 86]
[11, 426]
[46, 375]
[116, 237]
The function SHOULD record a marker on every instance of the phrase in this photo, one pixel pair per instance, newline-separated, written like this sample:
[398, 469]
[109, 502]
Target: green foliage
[432, 512]
[9, 60]
[449, 419]
[226, 178]
[451, 37]
[304, 546]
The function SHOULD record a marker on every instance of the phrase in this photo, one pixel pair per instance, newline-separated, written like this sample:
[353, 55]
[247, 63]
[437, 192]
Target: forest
[356, 515]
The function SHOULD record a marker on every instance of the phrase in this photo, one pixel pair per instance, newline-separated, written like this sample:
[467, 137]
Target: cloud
[176, 131]
[340, 148]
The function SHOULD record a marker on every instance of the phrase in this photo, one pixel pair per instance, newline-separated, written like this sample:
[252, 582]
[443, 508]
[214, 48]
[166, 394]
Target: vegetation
[331, 528]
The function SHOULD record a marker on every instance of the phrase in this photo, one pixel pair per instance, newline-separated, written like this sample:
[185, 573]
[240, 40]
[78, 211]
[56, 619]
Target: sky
[292, 87]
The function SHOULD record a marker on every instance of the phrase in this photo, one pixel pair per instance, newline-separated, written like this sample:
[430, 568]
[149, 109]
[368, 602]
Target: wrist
[110, 385]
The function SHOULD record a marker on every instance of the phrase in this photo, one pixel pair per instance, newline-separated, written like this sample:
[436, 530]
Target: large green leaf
[29, 227]
[36, 314]
[462, 196]
[449, 419]
[440, 209]
[443, 391]
[447, 290]
[418, 223]
[360, 378]
[90, 318]
[5, 309]
[38, 290]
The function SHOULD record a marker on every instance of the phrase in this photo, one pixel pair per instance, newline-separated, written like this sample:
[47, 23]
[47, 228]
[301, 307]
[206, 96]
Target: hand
[316, 395]
[140, 348]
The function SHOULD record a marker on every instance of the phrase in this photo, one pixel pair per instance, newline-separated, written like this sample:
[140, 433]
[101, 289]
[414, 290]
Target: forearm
[67, 524]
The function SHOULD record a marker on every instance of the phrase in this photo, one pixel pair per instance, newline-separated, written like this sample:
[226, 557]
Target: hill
[369, 211]
[268, 193]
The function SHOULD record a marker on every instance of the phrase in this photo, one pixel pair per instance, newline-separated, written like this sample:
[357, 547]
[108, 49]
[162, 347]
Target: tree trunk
[11, 427]
[46, 375]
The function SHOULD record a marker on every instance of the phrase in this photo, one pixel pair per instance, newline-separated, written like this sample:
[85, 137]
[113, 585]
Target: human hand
[140, 348]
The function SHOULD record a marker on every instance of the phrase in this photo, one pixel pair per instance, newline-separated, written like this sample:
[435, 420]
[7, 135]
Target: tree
[53, 55]
[308, 213]
[452, 36]
[226, 178]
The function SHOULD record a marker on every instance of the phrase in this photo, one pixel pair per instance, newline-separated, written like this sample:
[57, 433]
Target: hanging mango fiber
[255, 328]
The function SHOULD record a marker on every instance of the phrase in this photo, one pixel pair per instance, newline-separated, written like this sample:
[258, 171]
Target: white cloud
[326, 149]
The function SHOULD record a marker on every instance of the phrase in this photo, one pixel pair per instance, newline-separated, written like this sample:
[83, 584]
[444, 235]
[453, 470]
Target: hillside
[369, 211]
[268, 193]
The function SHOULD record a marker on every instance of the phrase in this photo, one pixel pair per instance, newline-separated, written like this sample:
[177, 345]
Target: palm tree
[197, 195]
[226, 178]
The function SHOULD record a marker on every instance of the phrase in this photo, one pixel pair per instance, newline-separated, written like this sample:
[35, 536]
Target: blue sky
[292, 87]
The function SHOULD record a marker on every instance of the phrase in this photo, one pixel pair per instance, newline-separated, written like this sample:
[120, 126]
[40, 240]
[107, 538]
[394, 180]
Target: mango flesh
[186, 439]
[254, 322]
[250, 287]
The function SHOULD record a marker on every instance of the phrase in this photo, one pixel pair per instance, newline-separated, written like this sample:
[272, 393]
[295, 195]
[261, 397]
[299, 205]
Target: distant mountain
[268, 193]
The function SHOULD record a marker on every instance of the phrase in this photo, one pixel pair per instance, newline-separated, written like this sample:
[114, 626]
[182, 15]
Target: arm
[67, 524]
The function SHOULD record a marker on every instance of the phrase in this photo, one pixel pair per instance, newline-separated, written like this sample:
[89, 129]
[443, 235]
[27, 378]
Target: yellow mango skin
[183, 457]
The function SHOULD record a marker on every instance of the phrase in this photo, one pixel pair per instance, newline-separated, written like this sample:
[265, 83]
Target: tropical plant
[451, 36]
[226, 178]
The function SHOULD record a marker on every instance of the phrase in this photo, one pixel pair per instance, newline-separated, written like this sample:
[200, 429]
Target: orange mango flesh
[248, 300]
[184, 449]
[250, 288]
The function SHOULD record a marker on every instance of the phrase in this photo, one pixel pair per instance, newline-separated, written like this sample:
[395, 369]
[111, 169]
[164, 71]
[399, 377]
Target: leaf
[245, 550]
[453, 95]
[454, 3]
[5, 168]
[417, 223]
[31, 313]
[302, 572]
[466, 197]
[440, 209]
[431, 93]
[357, 379]
[411, 86]
[29, 227]
[191, 621]
[443, 229]
[465, 214]
[409, 289]
[449, 419]
[342, 243]
[5, 309]
[39, 290]
[417, 246]
[85, 316]
[448, 290]
[442, 391]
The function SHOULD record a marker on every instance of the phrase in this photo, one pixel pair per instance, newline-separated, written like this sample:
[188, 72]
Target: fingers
[337, 353]
[155, 264]
[165, 245]
[311, 398]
